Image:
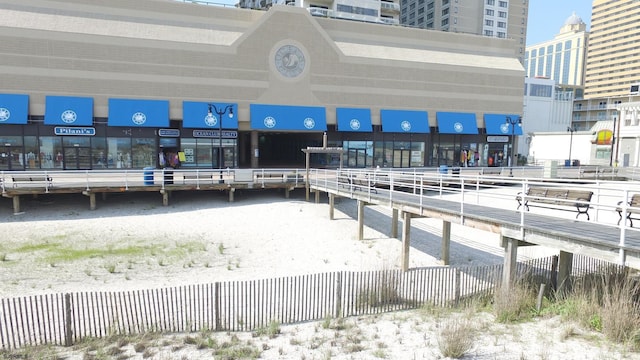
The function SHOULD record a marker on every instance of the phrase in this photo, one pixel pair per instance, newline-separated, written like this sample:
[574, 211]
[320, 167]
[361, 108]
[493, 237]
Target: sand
[132, 242]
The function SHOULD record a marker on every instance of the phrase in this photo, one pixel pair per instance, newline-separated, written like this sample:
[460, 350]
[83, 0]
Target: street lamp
[512, 122]
[213, 108]
[571, 130]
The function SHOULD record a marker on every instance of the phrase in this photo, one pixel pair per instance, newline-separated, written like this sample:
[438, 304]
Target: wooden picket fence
[64, 319]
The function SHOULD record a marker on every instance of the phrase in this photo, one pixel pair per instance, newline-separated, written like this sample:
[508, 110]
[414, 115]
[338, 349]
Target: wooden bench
[198, 178]
[539, 196]
[491, 171]
[356, 182]
[633, 207]
[270, 176]
[40, 180]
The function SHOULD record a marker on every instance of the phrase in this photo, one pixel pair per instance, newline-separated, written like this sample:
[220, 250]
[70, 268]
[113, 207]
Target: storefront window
[99, 153]
[144, 152]
[51, 152]
[31, 150]
[119, 153]
[204, 153]
[417, 154]
[11, 153]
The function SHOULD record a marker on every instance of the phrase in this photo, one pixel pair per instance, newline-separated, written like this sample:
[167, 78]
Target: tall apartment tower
[495, 18]
[562, 59]
[377, 11]
[613, 59]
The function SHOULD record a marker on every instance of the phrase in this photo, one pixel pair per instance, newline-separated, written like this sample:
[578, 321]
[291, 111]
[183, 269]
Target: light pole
[571, 130]
[512, 122]
[213, 108]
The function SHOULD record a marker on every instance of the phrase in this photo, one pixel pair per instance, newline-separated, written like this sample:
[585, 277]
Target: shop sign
[497, 139]
[76, 131]
[227, 134]
[169, 132]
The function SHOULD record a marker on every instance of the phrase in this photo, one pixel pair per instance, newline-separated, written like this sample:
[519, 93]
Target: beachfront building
[89, 84]
[494, 18]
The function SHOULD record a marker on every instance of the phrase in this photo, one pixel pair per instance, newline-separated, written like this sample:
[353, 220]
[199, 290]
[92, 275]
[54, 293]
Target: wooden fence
[64, 319]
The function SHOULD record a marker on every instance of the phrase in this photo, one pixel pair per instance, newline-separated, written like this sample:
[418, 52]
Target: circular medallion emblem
[211, 120]
[457, 127]
[269, 122]
[354, 124]
[289, 61]
[139, 118]
[504, 128]
[309, 123]
[405, 125]
[5, 114]
[68, 116]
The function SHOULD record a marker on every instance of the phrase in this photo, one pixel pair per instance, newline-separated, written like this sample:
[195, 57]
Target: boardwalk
[488, 203]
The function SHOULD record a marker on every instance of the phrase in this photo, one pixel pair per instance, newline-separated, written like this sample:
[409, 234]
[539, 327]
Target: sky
[546, 17]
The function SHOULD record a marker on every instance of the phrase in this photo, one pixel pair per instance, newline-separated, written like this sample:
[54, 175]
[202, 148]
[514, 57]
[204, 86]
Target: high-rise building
[377, 11]
[563, 58]
[613, 60]
[495, 18]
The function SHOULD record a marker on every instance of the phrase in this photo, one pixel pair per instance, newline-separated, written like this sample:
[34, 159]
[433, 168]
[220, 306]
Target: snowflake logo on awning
[309, 123]
[139, 118]
[269, 122]
[68, 116]
[405, 125]
[210, 120]
[354, 124]
[457, 127]
[504, 128]
[5, 114]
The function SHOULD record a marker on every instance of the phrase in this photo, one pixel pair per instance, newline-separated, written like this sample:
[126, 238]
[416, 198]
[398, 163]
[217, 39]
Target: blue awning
[405, 121]
[496, 124]
[138, 113]
[196, 115]
[283, 117]
[14, 108]
[456, 123]
[352, 119]
[68, 110]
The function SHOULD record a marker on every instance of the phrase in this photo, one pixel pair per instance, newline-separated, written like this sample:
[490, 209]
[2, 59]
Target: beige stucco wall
[160, 49]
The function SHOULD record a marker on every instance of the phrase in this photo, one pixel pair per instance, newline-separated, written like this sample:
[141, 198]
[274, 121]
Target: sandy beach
[132, 242]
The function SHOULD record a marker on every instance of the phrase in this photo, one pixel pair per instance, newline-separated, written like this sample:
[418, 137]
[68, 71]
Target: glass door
[5, 157]
[401, 158]
[77, 158]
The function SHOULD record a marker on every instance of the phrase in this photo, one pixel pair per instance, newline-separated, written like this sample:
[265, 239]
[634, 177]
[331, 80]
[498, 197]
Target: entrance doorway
[401, 158]
[77, 158]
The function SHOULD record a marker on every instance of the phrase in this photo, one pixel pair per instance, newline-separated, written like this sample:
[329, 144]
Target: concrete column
[446, 241]
[16, 204]
[317, 193]
[92, 201]
[406, 239]
[565, 265]
[510, 260]
[232, 191]
[332, 199]
[165, 198]
[254, 150]
[394, 223]
[286, 193]
[360, 220]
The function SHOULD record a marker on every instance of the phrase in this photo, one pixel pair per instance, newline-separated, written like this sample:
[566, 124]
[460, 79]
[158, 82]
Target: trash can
[148, 175]
[576, 162]
[567, 163]
[455, 171]
[444, 169]
[168, 176]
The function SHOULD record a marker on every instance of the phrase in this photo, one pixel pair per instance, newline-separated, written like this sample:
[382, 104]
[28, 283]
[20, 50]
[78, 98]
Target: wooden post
[68, 333]
[360, 220]
[317, 193]
[165, 198]
[216, 299]
[338, 295]
[565, 265]
[92, 201]
[510, 261]
[332, 199]
[394, 223]
[406, 239]
[446, 241]
[231, 192]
